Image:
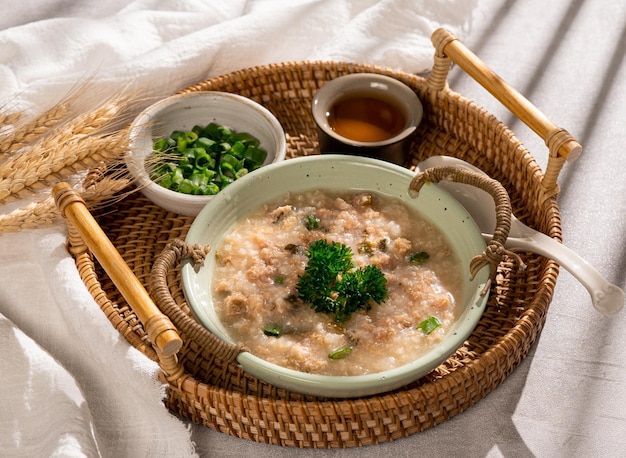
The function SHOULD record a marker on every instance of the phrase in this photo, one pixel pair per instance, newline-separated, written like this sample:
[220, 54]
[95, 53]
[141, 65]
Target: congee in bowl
[336, 281]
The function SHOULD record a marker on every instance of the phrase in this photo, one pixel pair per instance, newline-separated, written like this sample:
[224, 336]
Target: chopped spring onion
[429, 325]
[273, 330]
[205, 160]
[419, 257]
[340, 353]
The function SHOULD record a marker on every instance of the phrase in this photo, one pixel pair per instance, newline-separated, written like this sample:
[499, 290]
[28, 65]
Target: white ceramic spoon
[606, 297]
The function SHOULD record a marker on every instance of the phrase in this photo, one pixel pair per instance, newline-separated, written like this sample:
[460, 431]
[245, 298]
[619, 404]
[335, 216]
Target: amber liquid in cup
[364, 118]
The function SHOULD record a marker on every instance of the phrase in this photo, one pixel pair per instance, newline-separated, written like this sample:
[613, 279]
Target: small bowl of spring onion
[186, 148]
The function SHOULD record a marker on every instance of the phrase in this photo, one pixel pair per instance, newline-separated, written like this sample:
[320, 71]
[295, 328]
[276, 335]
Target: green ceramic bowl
[336, 172]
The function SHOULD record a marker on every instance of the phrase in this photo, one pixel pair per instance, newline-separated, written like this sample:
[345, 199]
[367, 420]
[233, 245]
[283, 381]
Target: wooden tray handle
[161, 331]
[562, 145]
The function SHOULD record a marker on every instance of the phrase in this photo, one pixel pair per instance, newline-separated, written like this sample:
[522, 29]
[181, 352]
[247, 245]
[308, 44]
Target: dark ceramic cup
[367, 114]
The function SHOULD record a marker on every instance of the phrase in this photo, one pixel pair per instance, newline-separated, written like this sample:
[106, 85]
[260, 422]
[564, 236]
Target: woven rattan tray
[203, 388]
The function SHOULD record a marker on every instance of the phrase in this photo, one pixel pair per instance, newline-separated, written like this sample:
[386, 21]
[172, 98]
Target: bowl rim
[331, 90]
[134, 158]
[352, 385]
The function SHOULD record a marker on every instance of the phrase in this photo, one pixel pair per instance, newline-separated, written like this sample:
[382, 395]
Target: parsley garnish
[332, 285]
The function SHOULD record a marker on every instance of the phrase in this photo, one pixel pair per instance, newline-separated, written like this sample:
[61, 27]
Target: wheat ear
[87, 153]
[28, 133]
[62, 151]
[9, 119]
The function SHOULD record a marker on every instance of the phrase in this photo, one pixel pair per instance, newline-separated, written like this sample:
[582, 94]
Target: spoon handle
[606, 297]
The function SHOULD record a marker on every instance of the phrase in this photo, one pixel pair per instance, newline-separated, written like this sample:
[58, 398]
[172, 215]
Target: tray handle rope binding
[175, 252]
[495, 251]
[561, 144]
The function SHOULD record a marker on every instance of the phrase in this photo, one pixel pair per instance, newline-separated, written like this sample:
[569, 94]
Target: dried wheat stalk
[57, 146]
[22, 136]
[69, 148]
[80, 156]
[10, 118]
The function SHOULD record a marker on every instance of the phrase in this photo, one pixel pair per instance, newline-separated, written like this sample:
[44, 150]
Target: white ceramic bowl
[338, 172]
[182, 112]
